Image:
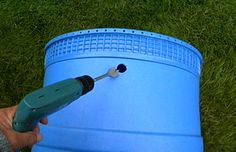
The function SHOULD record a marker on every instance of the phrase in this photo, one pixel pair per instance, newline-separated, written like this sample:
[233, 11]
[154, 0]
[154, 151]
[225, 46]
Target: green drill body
[48, 100]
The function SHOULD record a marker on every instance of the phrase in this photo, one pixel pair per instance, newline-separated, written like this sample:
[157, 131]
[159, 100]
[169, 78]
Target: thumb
[27, 139]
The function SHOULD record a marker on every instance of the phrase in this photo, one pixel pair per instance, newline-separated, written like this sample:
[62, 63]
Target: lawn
[26, 26]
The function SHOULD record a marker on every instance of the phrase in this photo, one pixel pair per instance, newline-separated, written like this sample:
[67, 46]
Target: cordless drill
[52, 98]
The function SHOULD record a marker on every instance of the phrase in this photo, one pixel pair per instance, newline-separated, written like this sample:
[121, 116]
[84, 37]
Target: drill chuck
[88, 83]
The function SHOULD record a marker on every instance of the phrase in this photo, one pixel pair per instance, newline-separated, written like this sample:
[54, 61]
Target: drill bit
[113, 72]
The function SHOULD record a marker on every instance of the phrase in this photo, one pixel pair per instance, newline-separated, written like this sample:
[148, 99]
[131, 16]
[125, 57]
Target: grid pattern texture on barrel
[126, 42]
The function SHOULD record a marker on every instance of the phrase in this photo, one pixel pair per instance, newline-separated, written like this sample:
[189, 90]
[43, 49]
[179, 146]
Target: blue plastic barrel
[152, 107]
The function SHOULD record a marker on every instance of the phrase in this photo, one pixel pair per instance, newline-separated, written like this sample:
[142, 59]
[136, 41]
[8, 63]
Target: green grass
[26, 26]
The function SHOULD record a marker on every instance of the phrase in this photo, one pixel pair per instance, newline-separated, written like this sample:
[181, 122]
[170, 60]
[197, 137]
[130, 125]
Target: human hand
[16, 139]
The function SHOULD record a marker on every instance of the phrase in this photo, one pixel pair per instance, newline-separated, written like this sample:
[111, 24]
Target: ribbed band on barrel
[123, 43]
